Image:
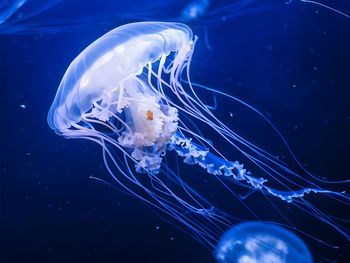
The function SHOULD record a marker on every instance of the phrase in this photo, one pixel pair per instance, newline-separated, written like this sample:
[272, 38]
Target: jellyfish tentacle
[163, 204]
[194, 154]
[197, 113]
[326, 6]
[275, 130]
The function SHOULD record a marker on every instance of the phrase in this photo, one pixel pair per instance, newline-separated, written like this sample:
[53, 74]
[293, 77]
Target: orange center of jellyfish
[149, 115]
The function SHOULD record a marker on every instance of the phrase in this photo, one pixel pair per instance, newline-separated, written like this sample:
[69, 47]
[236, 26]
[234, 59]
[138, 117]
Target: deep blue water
[290, 61]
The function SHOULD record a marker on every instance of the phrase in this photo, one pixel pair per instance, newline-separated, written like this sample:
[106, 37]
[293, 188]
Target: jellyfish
[262, 242]
[194, 9]
[130, 92]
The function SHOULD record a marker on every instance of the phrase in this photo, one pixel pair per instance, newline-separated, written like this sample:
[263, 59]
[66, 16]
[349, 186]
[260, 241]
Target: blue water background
[289, 61]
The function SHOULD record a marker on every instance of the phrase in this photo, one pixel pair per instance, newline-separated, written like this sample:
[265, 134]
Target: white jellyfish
[126, 92]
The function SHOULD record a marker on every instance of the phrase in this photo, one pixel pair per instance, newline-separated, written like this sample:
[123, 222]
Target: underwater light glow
[130, 92]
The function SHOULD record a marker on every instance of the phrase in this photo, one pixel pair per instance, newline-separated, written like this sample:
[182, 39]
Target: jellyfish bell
[130, 92]
[106, 80]
[261, 242]
[111, 64]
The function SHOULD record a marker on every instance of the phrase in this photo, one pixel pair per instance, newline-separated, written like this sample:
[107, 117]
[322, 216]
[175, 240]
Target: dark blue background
[289, 61]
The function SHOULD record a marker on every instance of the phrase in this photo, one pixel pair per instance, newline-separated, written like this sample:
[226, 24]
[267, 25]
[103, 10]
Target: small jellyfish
[194, 10]
[261, 242]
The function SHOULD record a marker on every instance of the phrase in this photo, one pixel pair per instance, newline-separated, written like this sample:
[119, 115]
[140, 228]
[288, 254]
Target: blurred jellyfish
[130, 92]
[194, 10]
[261, 242]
